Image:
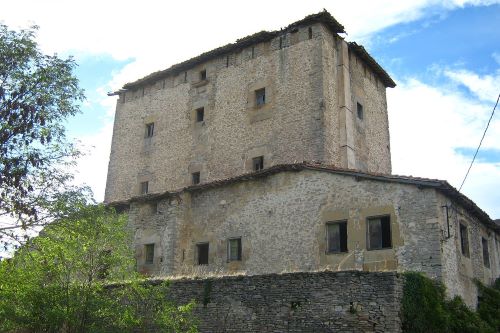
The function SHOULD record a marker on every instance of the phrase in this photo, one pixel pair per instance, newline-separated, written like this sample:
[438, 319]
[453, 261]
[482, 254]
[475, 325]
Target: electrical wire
[480, 142]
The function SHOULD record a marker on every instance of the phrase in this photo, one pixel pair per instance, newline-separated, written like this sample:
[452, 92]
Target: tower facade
[298, 94]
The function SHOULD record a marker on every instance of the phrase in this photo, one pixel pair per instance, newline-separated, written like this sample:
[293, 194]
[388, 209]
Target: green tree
[78, 276]
[37, 94]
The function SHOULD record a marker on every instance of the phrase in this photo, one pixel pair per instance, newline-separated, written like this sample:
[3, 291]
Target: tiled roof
[440, 185]
[323, 17]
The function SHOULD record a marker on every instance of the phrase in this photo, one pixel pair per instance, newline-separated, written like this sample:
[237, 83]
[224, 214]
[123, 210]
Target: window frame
[360, 111]
[369, 246]
[199, 246]
[144, 187]
[343, 246]
[203, 75]
[150, 130]
[464, 240]
[200, 111]
[260, 97]
[239, 249]
[486, 252]
[149, 253]
[195, 178]
[258, 163]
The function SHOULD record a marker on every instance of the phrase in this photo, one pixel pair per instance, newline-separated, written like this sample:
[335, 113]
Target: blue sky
[444, 56]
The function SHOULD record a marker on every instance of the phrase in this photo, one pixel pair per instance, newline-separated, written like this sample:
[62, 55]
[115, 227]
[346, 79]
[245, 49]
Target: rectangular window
[336, 235]
[486, 252]
[203, 75]
[258, 163]
[150, 253]
[234, 249]
[379, 232]
[150, 130]
[202, 253]
[200, 114]
[464, 240]
[195, 178]
[144, 187]
[260, 97]
[360, 110]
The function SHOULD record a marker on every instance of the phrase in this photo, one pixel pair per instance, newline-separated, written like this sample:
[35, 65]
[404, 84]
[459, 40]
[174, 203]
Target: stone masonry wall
[299, 121]
[459, 270]
[297, 302]
[281, 220]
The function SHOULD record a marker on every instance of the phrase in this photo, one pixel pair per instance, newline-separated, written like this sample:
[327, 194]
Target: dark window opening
[360, 110]
[150, 128]
[200, 114]
[195, 177]
[336, 233]
[234, 249]
[185, 77]
[124, 97]
[150, 253]
[486, 252]
[202, 253]
[227, 61]
[253, 52]
[464, 240]
[281, 42]
[260, 96]
[258, 163]
[144, 187]
[310, 31]
[203, 75]
[379, 233]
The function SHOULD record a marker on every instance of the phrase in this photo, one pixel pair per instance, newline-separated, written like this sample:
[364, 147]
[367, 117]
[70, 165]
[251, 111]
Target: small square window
[260, 97]
[359, 108]
[144, 187]
[203, 75]
[195, 178]
[486, 252]
[150, 130]
[379, 233]
[202, 249]
[336, 235]
[464, 240]
[150, 253]
[200, 114]
[258, 163]
[234, 249]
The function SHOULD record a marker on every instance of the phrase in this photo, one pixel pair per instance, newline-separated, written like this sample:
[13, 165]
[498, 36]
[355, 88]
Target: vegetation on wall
[425, 308]
[79, 276]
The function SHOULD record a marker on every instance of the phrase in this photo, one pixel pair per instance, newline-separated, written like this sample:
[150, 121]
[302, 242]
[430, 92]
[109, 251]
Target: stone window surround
[149, 253]
[257, 152]
[229, 253]
[260, 112]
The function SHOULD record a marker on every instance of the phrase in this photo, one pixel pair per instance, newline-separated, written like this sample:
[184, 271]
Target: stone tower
[299, 94]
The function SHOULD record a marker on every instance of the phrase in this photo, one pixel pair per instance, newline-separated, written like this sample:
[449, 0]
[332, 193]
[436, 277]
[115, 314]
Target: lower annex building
[204, 160]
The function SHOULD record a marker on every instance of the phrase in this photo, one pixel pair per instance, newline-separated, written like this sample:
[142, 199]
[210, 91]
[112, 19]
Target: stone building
[207, 158]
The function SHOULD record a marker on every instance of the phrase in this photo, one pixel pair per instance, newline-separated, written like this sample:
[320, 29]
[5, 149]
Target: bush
[426, 309]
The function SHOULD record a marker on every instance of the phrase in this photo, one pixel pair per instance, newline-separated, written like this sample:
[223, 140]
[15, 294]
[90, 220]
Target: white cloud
[158, 34]
[486, 87]
[91, 169]
[428, 123]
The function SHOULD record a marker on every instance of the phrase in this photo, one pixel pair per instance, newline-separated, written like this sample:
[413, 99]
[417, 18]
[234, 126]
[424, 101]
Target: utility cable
[480, 142]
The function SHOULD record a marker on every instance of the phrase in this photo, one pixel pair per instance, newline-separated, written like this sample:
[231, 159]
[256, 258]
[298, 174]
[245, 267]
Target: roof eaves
[363, 54]
[323, 17]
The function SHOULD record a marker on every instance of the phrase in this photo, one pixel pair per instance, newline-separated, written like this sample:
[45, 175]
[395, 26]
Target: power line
[480, 142]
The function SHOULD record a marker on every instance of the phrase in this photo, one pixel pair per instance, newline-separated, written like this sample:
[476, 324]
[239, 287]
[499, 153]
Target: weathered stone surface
[303, 118]
[296, 302]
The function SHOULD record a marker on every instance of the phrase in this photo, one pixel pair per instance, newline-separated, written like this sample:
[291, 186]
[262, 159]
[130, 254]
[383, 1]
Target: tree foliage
[78, 276]
[37, 94]
[425, 308]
